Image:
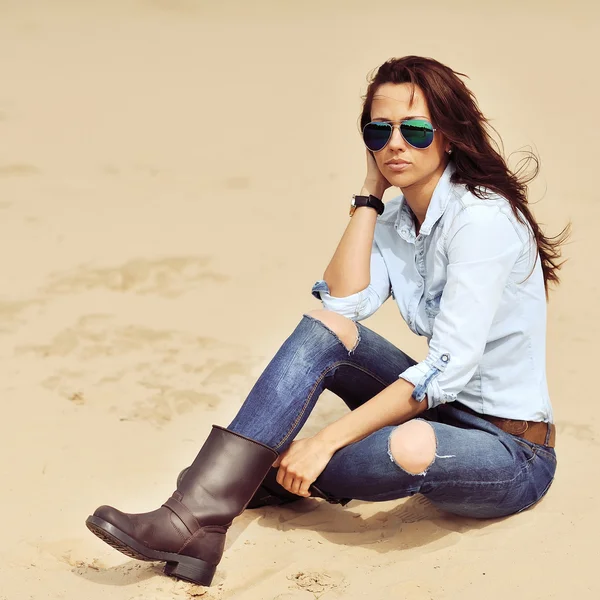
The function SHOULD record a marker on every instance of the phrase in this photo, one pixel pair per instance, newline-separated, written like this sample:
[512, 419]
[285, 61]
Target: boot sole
[178, 565]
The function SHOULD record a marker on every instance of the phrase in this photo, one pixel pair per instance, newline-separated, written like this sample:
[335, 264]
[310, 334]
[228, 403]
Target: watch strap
[370, 201]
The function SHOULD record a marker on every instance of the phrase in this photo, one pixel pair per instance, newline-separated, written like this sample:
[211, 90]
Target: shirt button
[420, 284]
[445, 357]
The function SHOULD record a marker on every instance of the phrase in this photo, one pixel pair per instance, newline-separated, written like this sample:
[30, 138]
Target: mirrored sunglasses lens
[417, 133]
[376, 135]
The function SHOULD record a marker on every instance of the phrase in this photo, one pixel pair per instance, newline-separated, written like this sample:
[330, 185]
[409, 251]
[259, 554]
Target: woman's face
[392, 103]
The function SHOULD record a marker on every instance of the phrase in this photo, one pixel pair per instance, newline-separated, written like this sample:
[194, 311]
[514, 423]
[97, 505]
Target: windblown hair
[479, 163]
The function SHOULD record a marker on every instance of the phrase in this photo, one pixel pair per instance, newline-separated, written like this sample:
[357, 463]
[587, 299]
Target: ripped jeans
[478, 469]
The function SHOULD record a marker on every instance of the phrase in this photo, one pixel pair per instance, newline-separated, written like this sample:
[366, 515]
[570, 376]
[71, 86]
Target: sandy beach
[174, 177]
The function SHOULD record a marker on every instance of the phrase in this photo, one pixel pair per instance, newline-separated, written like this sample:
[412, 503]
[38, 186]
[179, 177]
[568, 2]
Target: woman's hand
[375, 182]
[301, 464]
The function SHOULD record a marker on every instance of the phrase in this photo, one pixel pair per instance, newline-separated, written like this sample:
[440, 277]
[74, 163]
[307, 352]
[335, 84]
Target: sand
[174, 177]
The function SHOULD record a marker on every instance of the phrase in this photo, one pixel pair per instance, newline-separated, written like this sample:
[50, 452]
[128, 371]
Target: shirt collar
[437, 206]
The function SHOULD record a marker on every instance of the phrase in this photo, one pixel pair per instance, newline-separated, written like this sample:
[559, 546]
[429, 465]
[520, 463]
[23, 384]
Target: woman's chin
[399, 180]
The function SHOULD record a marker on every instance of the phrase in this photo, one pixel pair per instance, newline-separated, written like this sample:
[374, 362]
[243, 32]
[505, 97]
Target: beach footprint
[317, 582]
[18, 170]
[580, 431]
[414, 509]
[139, 373]
[167, 277]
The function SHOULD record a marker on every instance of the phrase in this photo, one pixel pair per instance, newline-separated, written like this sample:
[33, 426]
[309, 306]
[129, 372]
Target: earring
[449, 151]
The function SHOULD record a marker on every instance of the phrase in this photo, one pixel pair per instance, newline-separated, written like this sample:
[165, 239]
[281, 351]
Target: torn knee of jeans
[351, 351]
[315, 316]
[414, 451]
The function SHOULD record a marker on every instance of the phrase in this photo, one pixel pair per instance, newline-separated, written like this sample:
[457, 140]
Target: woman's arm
[348, 271]
[392, 406]
[307, 458]
[364, 303]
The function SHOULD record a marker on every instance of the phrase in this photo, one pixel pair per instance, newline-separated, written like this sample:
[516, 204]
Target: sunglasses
[417, 133]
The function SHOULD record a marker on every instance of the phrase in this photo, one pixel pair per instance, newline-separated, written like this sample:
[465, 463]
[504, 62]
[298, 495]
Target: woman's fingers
[288, 483]
[375, 179]
[293, 484]
[299, 487]
[301, 464]
[284, 478]
[303, 491]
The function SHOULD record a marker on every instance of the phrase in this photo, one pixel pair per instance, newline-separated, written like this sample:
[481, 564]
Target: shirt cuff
[347, 306]
[424, 376]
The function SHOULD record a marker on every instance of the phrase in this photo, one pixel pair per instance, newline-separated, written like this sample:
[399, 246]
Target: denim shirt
[471, 282]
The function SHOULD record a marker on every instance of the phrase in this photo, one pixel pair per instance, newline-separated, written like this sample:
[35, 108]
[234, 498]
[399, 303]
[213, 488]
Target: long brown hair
[479, 163]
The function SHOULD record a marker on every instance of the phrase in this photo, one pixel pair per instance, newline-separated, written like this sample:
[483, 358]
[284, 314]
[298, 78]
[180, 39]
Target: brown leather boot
[188, 530]
[271, 493]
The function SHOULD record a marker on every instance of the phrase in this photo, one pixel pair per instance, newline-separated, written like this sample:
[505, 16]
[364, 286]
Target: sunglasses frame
[394, 125]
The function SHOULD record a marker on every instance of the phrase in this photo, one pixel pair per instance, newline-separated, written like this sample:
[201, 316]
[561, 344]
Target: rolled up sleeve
[362, 304]
[483, 247]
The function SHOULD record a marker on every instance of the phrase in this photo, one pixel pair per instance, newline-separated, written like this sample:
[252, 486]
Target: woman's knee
[345, 329]
[413, 446]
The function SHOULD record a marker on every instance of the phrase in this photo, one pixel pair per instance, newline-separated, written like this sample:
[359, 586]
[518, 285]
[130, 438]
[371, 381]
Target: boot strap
[184, 513]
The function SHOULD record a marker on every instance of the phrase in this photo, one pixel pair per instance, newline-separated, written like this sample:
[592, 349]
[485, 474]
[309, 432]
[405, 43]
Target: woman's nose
[397, 141]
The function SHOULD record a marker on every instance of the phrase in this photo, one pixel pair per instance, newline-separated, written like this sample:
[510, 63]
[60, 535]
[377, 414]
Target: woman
[470, 427]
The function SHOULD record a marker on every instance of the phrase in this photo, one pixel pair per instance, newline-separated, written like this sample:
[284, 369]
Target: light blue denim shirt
[472, 283]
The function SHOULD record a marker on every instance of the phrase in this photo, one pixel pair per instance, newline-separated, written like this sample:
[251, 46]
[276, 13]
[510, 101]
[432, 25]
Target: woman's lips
[397, 167]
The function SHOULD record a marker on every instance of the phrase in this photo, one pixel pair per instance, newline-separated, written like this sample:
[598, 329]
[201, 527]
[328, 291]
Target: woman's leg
[188, 530]
[325, 351]
[474, 468]
[462, 463]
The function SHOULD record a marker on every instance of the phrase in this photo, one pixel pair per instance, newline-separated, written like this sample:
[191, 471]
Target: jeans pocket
[529, 451]
[546, 452]
[540, 466]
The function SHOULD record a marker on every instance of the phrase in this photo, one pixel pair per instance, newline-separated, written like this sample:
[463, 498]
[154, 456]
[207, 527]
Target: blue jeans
[478, 469]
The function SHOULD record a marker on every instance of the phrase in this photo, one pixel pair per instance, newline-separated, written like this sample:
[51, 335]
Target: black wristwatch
[370, 200]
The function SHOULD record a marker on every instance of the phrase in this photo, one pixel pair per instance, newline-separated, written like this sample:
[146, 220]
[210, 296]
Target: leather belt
[543, 434]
